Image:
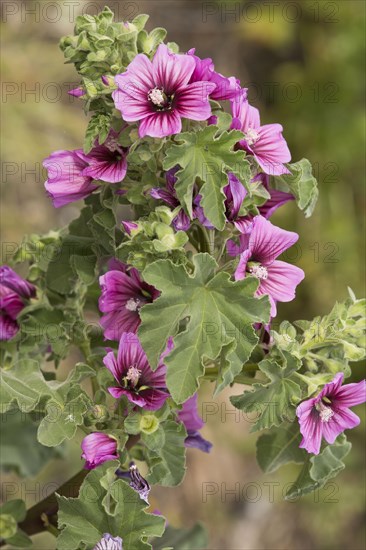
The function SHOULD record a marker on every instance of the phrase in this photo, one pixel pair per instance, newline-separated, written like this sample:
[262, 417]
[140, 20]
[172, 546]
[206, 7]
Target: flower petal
[271, 150]
[172, 71]
[268, 241]
[282, 281]
[350, 395]
[160, 124]
[192, 101]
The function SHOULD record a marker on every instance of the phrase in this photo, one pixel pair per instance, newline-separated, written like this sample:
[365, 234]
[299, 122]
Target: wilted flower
[182, 221]
[139, 483]
[14, 291]
[193, 423]
[259, 250]
[328, 415]
[109, 543]
[158, 93]
[97, 448]
[123, 295]
[265, 143]
[136, 380]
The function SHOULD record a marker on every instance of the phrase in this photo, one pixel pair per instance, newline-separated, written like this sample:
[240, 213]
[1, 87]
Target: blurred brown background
[304, 64]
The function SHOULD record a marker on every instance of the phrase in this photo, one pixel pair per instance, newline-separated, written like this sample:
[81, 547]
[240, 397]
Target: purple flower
[226, 88]
[97, 448]
[109, 543]
[259, 250]
[193, 423]
[13, 292]
[66, 181]
[278, 198]
[235, 194]
[139, 483]
[265, 143]
[71, 173]
[158, 93]
[123, 295]
[107, 162]
[182, 221]
[328, 415]
[136, 380]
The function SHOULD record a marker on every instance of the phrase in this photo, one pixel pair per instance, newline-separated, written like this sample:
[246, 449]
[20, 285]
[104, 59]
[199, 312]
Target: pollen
[259, 271]
[157, 96]
[132, 304]
[251, 136]
[326, 414]
[133, 375]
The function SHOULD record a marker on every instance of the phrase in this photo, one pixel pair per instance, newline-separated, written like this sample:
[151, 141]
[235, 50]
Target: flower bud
[149, 423]
[8, 526]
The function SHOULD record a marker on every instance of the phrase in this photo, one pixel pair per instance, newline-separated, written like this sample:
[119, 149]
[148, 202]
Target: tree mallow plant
[170, 276]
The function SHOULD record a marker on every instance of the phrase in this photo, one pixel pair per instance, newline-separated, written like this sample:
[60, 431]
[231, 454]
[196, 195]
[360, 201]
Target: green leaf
[25, 384]
[318, 469]
[279, 447]
[275, 401]
[85, 519]
[167, 463]
[302, 185]
[220, 312]
[183, 539]
[205, 156]
[19, 432]
[98, 127]
[61, 422]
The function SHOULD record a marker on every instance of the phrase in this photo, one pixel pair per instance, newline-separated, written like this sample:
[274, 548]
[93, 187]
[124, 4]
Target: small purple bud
[77, 92]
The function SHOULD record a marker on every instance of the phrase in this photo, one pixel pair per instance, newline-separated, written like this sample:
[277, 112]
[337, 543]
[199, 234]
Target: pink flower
[97, 448]
[226, 88]
[14, 291]
[107, 162]
[71, 173]
[123, 295]
[158, 93]
[66, 181]
[265, 143]
[259, 250]
[328, 415]
[136, 380]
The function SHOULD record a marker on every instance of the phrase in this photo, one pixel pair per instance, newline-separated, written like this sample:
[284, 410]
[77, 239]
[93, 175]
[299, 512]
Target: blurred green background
[304, 64]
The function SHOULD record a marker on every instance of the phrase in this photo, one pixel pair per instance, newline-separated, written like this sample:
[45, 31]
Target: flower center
[112, 144]
[325, 412]
[259, 271]
[132, 304]
[133, 375]
[251, 136]
[160, 100]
